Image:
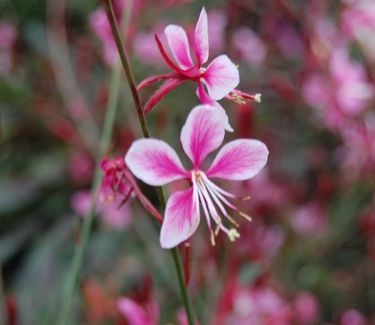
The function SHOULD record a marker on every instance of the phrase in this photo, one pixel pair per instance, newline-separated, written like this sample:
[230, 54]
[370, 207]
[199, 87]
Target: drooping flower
[215, 82]
[156, 163]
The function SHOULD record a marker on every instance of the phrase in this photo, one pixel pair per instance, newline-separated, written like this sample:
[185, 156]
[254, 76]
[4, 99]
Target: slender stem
[73, 274]
[126, 65]
[181, 281]
[146, 133]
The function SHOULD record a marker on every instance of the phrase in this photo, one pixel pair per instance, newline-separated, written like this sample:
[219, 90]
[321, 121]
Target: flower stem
[127, 68]
[73, 274]
[146, 133]
[181, 281]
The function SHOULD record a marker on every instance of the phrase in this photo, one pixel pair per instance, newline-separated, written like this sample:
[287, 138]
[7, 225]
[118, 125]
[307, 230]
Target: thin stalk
[127, 68]
[146, 133]
[73, 274]
[181, 281]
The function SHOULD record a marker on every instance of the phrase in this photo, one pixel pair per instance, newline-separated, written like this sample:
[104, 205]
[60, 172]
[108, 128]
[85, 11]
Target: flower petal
[207, 100]
[202, 133]
[181, 218]
[201, 46]
[133, 312]
[162, 91]
[239, 160]
[221, 77]
[179, 45]
[154, 162]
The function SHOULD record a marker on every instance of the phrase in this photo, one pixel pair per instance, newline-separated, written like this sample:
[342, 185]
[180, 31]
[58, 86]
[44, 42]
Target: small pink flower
[137, 314]
[215, 82]
[306, 308]
[114, 214]
[352, 317]
[156, 163]
[114, 181]
[250, 46]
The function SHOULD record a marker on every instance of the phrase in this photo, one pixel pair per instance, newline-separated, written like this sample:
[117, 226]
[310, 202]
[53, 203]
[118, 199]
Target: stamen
[217, 230]
[234, 222]
[247, 217]
[212, 238]
[245, 198]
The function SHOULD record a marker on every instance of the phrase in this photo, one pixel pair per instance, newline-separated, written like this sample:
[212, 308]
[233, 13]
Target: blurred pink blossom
[310, 219]
[358, 153]
[345, 92]
[145, 49]
[216, 30]
[306, 308]
[101, 27]
[358, 20]
[81, 167]
[8, 36]
[352, 317]
[136, 314]
[251, 48]
[259, 306]
[114, 214]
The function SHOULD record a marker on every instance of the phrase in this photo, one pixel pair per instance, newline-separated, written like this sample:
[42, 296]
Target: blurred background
[307, 258]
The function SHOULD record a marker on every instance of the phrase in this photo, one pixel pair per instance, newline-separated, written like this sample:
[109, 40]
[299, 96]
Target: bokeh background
[308, 257]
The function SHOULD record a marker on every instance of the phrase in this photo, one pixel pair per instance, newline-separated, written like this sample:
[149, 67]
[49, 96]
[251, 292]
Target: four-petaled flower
[156, 163]
[220, 77]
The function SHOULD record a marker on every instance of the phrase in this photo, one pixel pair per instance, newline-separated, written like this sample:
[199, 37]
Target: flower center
[213, 200]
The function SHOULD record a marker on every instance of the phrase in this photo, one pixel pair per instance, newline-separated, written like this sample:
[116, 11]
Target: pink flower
[137, 314]
[250, 47]
[114, 182]
[215, 82]
[306, 308]
[100, 25]
[352, 317]
[156, 163]
[114, 214]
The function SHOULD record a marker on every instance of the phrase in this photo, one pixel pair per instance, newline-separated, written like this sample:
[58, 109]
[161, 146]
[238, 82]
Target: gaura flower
[156, 163]
[215, 82]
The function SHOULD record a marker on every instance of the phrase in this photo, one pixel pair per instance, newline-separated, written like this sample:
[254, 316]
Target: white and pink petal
[202, 133]
[239, 160]
[154, 162]
[181, 218]
[207, 100]
[221, 77]
[201, 46]
[179, 46]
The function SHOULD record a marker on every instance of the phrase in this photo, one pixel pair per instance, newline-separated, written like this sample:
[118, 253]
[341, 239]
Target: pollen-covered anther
[233, 235]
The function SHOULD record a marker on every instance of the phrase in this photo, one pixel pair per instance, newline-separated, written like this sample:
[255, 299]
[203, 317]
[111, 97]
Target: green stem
[181, 281]
[127, 68]
[88, 221]
[146, 133]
